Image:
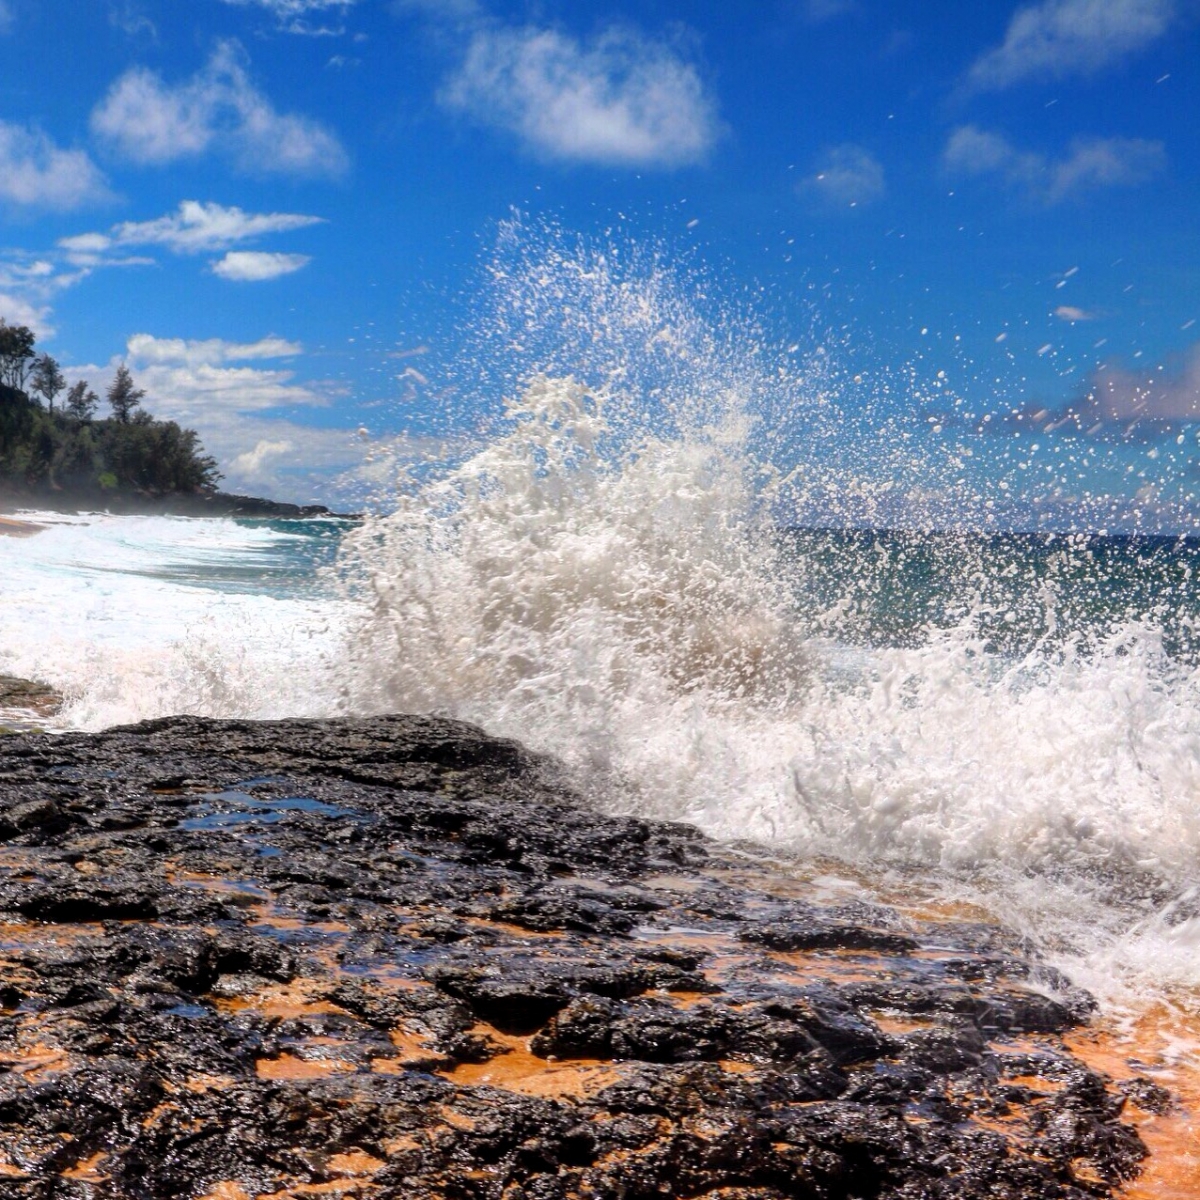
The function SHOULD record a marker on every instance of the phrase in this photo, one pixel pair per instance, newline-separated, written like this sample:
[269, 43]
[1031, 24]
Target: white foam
[625, 616]
[597, 581]
[109, 611]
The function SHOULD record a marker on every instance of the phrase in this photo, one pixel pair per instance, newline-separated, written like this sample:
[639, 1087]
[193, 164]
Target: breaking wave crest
[608, 571]
[604, 578]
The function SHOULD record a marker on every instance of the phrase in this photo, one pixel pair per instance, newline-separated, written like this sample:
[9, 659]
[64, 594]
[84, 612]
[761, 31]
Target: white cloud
[35, 172]
[128, 17]
[146, 348]
[254, 266]
[25, 272]
[848, 177]
[1069, 312]
[621, 100]
[249, 465]
[16, 310]
[195, 228]
[85, 243]
[28, 286]
[287, 460]
[214, 387]
[207, 385]
[1058, 38]
[1089, 163]
[152, 122]
[6, 16]
[198, 394]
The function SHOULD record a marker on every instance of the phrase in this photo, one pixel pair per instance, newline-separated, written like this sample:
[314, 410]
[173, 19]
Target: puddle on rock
[241, 808]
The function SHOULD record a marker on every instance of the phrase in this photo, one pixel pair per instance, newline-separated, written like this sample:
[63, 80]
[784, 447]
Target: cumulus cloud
[194, 228]
[848, 177]
[193, 382]
[231, 393]
[214, 386]
[250, 463]
[269, 456]
[234, 393]
[620, 100]
[16, 310]
[1059, 38]
[150, 121]
[1088, 163]
[255, 266]
[37, 173]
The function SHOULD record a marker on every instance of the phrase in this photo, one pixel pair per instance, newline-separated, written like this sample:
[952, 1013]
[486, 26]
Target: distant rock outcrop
[173, 504]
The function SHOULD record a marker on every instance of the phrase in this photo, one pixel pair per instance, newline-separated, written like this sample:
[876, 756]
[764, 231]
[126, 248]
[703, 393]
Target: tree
[39, 449]
[16, 350]
[81, 401]
[47, 380]
[123, 397]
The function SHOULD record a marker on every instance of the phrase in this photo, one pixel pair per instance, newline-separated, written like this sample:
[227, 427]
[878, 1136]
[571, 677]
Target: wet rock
[397, 957]
[511, 1005]
[824, 935]
[1147, 1095]
[28, 697]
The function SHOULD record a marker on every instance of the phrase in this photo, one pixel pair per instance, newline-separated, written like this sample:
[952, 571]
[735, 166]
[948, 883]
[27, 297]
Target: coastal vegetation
[51, 439]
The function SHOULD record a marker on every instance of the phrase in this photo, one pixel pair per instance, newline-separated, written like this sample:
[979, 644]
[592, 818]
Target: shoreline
[15, 527]
[414, 937]
[210, 505]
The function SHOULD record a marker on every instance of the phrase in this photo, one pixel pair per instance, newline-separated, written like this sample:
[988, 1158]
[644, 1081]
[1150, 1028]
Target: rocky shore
[396, 958]
[175, 504]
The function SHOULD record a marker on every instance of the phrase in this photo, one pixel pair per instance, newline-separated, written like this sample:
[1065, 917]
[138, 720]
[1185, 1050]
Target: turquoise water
[290, 559]
[1021, 593]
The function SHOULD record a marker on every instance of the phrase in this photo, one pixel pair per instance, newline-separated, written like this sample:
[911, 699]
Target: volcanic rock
[398, 958]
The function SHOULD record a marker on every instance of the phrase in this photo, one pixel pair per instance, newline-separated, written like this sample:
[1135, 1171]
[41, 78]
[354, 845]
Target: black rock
[398, 956]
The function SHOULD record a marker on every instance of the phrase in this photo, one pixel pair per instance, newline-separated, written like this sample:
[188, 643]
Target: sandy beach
[12, 527]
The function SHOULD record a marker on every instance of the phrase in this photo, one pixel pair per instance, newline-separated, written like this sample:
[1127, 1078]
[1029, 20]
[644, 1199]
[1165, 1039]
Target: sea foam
[602, 580]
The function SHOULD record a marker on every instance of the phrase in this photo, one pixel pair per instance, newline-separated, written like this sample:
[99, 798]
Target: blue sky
[260, 204]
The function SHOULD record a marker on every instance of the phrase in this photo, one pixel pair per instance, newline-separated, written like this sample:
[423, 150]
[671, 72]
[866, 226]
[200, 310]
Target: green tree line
[45, 443]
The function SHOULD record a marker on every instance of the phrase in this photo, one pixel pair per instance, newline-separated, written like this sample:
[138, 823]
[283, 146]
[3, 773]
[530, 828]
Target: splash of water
[603, 576]
[602, 580]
